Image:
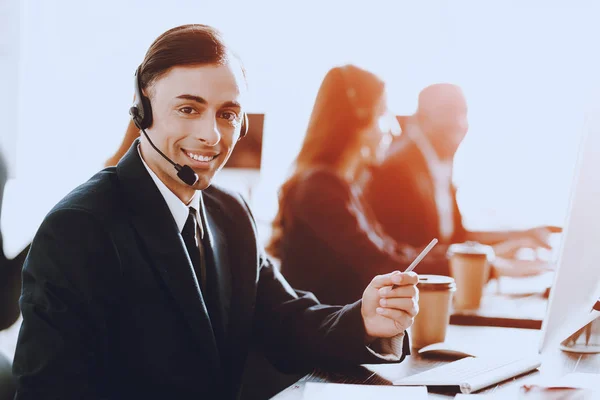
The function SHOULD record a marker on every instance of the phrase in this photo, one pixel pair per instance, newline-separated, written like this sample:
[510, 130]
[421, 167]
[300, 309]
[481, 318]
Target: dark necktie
[202, 262]
[195, 248]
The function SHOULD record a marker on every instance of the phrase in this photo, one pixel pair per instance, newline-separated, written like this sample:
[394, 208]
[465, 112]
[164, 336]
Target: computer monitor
[576, 282]
[248, 151]
[574, 293]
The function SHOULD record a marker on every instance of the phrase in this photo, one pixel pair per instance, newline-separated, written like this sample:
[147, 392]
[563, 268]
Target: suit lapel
[164, 245]
[234, 246]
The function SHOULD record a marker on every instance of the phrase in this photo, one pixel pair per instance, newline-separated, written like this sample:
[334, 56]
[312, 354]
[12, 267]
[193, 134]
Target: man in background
[413, 196]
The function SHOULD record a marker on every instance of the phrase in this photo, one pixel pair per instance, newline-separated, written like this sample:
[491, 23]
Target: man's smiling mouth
[201, 156]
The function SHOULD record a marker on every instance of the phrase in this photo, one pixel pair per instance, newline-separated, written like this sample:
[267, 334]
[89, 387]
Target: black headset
[141, 114]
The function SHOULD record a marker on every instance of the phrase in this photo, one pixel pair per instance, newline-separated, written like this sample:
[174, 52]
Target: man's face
[197, 116]
[448, 127]
[456, 124]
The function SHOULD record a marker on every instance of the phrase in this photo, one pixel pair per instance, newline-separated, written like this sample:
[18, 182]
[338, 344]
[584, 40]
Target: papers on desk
[574, 386]
[328, 391]
[541, 394]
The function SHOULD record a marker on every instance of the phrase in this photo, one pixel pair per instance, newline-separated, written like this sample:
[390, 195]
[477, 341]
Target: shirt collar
[426, 148]
[178, 208]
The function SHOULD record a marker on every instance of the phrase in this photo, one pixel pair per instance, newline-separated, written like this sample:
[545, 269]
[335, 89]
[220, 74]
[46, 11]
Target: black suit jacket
[330, 231]
[111, 308]
[330, 235]
[401, 193]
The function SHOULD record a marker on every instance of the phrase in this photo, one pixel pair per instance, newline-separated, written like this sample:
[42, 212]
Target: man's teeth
[198, 157]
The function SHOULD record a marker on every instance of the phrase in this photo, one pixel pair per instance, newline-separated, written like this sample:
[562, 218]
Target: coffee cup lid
[473, 248]
[436, 282]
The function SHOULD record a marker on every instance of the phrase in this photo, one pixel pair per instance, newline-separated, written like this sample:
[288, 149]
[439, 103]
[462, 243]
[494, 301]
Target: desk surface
[509, 303]
[487, 341]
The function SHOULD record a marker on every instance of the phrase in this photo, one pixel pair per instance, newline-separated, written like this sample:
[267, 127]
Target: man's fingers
[509, 248]
[400, 291]
[409, 306]
[394, 278]
[409, 278]
[401, 317]
[520, 268]
[385, 280]
[543, 243]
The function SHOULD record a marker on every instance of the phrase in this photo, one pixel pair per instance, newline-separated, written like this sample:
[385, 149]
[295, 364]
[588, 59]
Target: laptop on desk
[575, 289]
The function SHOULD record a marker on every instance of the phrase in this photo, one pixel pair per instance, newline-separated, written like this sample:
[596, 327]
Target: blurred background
[527, 69]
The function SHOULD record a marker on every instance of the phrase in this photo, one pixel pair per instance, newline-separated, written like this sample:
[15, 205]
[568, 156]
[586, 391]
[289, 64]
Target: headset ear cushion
[141, 103]
[244, 128]
[147, 122]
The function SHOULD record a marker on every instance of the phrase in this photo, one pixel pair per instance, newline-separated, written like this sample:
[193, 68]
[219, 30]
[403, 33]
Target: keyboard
[471, 374]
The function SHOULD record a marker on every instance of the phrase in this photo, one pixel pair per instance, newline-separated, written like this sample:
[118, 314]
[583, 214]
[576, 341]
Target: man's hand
[520, 268]
[533, 238]
[509, 248]
[389, 304]
[541, 235]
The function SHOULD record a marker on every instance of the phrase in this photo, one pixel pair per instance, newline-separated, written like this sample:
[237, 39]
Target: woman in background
[324, 234]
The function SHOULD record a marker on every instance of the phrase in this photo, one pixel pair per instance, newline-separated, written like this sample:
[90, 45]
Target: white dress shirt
[441, 173]
[178, 208]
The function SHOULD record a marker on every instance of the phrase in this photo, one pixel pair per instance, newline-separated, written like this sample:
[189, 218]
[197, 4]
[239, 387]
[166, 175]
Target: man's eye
[187, 110]
[229, 115]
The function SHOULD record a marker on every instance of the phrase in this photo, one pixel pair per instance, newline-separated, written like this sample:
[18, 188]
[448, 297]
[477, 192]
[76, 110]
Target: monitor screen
[248, 151]
[576, 285]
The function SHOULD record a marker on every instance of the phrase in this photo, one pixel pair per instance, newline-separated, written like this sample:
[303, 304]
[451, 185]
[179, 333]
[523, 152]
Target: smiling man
[199, 130]
[147, 282]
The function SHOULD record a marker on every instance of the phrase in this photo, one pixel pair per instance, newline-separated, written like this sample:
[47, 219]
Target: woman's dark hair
[346, 105]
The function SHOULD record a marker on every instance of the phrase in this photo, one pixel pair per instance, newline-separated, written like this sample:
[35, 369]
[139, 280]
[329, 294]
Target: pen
[422, 255]
[417, 260]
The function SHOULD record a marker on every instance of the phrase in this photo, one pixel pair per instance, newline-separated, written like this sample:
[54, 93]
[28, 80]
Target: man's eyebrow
[232, 104]
[197, 99]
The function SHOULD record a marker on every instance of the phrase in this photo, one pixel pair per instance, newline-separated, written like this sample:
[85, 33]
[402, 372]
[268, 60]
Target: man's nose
[208, 131]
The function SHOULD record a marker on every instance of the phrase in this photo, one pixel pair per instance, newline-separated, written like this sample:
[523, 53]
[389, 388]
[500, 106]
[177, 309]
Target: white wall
[9, 71]
[525, 71]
